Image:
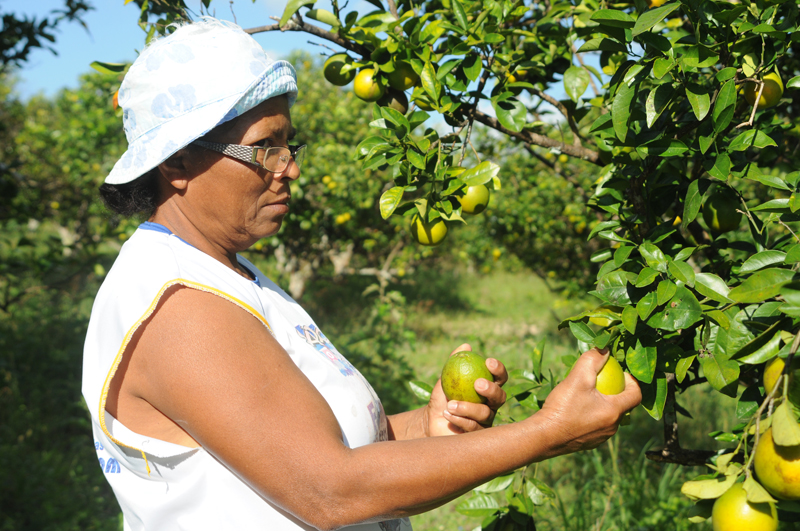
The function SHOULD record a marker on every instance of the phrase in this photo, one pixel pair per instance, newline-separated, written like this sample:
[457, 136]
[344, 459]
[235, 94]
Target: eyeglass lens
[276, 159]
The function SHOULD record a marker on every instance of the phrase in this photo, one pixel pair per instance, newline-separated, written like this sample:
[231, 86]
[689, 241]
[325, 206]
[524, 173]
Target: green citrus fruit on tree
[333, 70]
[770, 95]
[403, 77]
[475, 199]
[719, 211]
[459, 375]
[367, 86]
[772, 372]
[395, 99]
[431, 233]
[611, 379]
[778, 467]
[732, 512]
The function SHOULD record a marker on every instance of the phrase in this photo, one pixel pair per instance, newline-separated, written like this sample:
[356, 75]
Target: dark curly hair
[139, 196]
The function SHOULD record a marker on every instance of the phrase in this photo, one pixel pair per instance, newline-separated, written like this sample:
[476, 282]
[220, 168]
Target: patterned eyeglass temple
[249, 154]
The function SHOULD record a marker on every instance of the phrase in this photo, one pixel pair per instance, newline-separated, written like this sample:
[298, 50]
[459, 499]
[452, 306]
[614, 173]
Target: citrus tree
[684, 110]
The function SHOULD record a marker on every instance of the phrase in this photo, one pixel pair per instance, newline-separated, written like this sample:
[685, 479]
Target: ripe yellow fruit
[333, 70]
[459, 375]
[428, 233]
[611, 379]
[367, 86]
[395, 99]
[563, 159]
[770, 96]
[403, 77]
[772, 372]
[719, 211]
[656, 3]
[778, 467]
[732, 512]
[475, 199]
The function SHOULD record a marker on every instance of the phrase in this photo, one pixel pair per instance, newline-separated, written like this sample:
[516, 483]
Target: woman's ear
[175, 170]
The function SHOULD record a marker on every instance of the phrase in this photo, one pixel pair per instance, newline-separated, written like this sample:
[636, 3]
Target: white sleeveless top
[165, 486]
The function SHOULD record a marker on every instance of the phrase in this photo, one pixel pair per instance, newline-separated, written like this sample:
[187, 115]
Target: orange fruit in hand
[459, 375]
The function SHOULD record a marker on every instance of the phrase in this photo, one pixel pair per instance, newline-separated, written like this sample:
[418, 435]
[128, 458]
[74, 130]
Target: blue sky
[114, 36]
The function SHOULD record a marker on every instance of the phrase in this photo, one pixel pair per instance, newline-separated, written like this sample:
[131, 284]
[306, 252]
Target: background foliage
[694, 310]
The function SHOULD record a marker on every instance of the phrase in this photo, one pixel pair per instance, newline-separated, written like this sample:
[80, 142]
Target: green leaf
[472, 66]
[480, 174]
[621, 110]
[650, 18]
[365, 146]
[291, 8]
[602, 44]
[785, 430]
[390, 199]
[109, 68]
[693, 201]
[761, 349]
[699, 100]
[646, 305]
[724, 106]
[421, 390]
[748, 402]
[755, 492]
[641, 359]
[751, 138]
[722, 167]
[479, 505]
[708, 489]
[681, 311]
[576, 81]
[654, 396]
[721, 373]
[613, 287]
[511, 113]
[712, 286]
[646, 277]
[657, 101]
[793, 255]
[662, 66]
[460, 14]
[683, 366]
[629, 319]
[581, 331]
[761, 286]
[754, 174]
[683, 272]
[430, 84]
[653, 256]
[762, 260]
[415, 158]
[538, 492]
[613, 18]
[665, 291]
[791, 294]
[395, 121]
[501, 482]
[698, 56]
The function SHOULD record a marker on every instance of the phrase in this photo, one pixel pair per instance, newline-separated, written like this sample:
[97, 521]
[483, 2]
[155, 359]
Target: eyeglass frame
[249, 154]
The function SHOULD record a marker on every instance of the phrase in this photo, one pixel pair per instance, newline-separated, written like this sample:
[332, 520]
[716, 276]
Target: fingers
[494, 395]
[469, 417]
[631, 396]
[588, 366]
[498, 370]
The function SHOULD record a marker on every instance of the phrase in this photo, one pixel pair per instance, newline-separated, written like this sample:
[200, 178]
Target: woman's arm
[219, 374]
[440, 417]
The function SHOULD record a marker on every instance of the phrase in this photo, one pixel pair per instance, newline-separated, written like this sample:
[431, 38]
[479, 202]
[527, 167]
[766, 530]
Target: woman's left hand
[449, 418]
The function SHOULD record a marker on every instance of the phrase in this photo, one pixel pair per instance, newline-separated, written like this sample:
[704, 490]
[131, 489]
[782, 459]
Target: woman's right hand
[577, 415]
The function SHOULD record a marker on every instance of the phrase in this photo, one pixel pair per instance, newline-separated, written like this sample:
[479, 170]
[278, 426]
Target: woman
[216, 401]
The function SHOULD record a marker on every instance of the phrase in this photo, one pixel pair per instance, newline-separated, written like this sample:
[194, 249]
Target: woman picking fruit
[216, 401]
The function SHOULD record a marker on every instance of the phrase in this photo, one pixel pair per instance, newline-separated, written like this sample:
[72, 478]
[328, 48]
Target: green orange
[720, 211]
[333, 70]
[368, 86]
[475, 199]
[429, 233]
[403, 77]
[459, 375]
[611, 379]
[732, 512]
[778, 467]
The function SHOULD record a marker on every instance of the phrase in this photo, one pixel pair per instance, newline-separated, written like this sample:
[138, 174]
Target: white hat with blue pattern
[185, 84]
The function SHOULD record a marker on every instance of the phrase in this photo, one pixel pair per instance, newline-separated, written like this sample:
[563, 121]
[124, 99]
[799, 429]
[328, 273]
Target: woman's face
[240, 203]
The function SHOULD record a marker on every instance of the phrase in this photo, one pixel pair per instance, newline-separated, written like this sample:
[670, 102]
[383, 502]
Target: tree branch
[560, 106]
[540, 140]
[294, 25]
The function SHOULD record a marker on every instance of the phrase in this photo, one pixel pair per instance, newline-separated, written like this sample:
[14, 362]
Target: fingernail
[481, 384]
[452, 405]
[491, 363]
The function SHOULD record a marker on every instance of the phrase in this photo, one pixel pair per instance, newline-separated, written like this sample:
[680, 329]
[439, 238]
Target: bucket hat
[185, 84]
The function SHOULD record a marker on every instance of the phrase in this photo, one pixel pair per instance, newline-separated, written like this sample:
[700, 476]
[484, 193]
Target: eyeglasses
[274, 159]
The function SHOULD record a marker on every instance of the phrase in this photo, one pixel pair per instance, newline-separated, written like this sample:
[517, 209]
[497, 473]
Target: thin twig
[294, 25]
